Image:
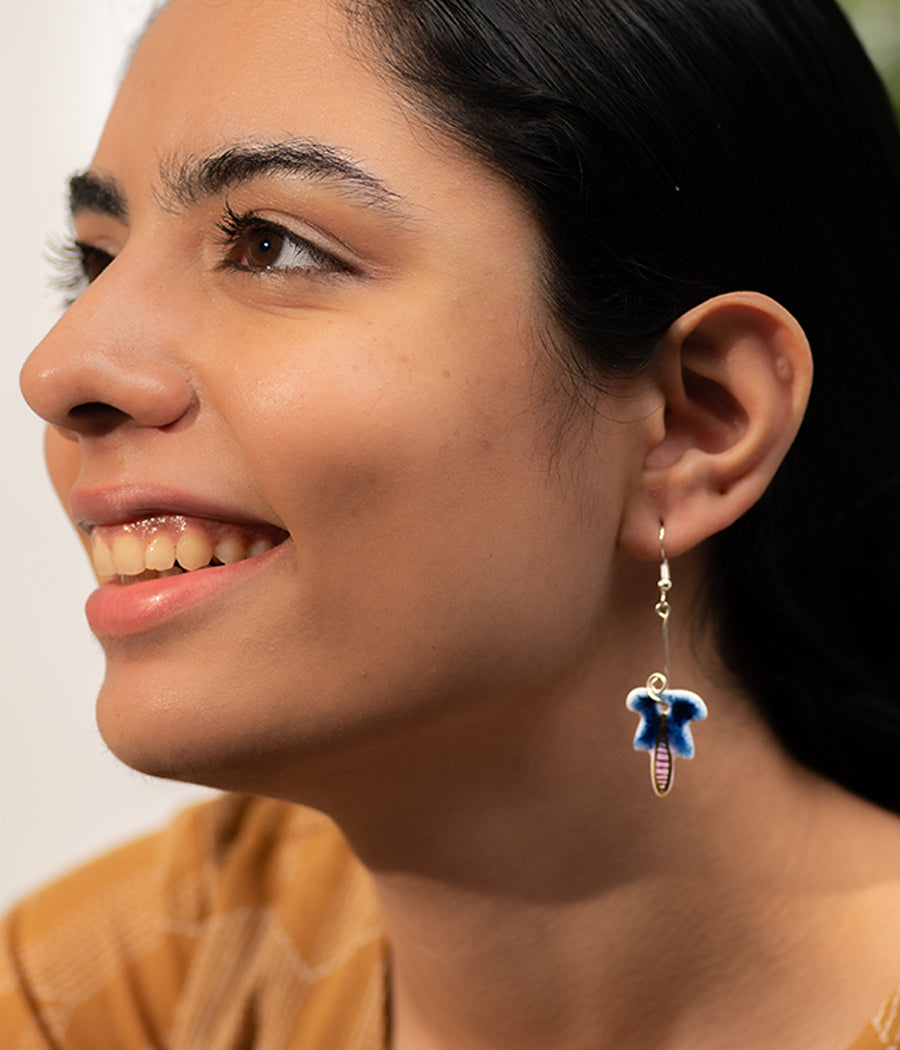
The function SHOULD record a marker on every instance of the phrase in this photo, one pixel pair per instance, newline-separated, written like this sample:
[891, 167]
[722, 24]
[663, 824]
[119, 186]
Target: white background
[62, 795]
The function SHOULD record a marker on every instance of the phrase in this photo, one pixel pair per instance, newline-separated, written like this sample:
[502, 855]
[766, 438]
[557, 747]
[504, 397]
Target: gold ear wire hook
[662, 605]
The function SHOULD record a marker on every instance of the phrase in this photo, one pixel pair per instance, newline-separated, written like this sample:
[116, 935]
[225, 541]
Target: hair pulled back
[673, 150]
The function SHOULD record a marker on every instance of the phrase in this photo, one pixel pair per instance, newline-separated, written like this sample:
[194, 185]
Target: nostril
[95, 418]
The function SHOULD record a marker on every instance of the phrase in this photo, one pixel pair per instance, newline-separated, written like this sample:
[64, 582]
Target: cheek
[352, 435]
[416, 489]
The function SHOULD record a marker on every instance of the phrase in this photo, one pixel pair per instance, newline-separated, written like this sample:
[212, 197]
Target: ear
[734, 375]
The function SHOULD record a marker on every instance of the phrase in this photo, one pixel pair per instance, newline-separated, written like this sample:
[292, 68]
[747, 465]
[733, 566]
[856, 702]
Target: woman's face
[313, 323]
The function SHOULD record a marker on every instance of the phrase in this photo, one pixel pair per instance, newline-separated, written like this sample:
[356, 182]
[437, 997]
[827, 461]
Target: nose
[104, 367]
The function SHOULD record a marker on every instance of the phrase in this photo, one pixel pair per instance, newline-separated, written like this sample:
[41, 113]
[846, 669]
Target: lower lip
[115, 610]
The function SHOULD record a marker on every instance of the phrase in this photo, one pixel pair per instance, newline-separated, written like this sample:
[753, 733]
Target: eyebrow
[97, 193]
[187, 182]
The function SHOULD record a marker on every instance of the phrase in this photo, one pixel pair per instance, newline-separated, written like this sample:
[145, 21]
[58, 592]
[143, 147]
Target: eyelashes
[247, 243]
[258, 246]
[76, 265]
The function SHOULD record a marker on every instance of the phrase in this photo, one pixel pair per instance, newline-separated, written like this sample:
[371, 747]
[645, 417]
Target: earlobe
[734, 374]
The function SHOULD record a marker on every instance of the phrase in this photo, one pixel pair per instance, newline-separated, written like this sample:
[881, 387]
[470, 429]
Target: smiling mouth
[160, 546]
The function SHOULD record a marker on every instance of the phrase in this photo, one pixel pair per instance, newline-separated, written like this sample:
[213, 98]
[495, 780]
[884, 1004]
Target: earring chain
[657, 682]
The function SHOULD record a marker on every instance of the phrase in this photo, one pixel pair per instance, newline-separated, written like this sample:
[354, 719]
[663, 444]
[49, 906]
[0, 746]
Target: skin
[465, 596]
[422, 432]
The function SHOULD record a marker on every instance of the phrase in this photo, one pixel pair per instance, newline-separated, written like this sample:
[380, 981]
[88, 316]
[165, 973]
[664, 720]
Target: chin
[209, 734]
[167, 731]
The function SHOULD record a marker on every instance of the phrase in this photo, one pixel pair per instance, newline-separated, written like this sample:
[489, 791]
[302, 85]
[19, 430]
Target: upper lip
[123, 503]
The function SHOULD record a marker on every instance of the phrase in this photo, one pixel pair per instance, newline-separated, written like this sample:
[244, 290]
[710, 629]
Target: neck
[535, 895]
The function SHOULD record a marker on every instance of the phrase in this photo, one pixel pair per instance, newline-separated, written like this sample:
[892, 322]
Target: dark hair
[673, 150]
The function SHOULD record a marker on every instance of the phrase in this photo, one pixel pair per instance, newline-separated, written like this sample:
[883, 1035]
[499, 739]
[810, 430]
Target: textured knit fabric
[246, 925]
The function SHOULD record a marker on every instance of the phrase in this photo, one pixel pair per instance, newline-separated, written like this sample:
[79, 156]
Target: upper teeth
[164, 544]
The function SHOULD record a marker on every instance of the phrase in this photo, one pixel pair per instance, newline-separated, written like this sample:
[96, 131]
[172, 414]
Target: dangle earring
[666, 714]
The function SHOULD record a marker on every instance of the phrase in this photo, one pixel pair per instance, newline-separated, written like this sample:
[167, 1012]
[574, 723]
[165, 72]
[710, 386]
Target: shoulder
[241, 904]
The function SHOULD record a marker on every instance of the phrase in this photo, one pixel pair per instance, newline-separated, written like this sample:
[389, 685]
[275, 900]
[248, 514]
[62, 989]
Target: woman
[438, 383]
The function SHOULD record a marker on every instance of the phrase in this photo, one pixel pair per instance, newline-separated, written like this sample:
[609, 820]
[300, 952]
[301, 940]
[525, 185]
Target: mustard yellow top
[246, 925]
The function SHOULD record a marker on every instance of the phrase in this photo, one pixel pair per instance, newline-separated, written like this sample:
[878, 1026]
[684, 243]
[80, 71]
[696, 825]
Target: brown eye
[262, 249]
[256, 246]
[93, 261]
